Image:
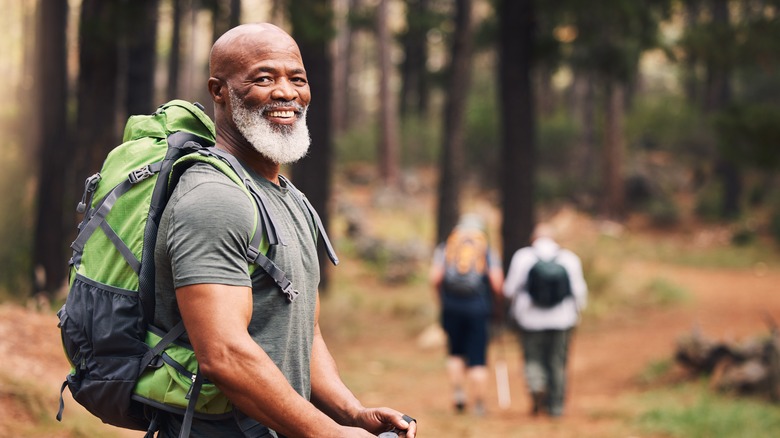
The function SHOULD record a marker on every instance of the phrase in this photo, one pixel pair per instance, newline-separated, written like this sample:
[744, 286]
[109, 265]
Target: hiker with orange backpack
[467, 277]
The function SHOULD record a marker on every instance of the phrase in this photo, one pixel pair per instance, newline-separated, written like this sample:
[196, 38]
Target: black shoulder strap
[320, 227]
[265, 226]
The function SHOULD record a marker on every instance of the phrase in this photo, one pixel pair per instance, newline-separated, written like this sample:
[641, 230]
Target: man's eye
[264, 80]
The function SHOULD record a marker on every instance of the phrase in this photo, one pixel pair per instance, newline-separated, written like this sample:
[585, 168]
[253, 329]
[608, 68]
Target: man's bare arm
[331, 395]
[216, 318]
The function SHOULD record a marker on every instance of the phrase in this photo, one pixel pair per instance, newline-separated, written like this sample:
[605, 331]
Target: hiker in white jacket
[545, 331]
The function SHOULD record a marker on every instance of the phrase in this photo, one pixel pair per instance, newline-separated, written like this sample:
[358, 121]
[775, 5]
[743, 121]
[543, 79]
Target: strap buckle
[89, 187]
[139, 175]
[288, 290]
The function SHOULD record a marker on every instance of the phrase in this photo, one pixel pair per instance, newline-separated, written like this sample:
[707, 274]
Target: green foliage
[312, 21]
[744, 234]
[774, 223]
[663, 211]
[611, 35]
[420, 141]
[750, 134]
[556, 141]
[655, 371]
[662, 292]
[357, 145]
[667, 122]
[482, 138]
[709, 201]
[691, 411]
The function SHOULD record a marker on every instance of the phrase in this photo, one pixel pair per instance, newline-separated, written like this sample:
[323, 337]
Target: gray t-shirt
[203, 236]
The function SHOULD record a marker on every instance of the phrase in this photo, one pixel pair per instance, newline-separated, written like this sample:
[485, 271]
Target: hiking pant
[467, 336]
[544, 355]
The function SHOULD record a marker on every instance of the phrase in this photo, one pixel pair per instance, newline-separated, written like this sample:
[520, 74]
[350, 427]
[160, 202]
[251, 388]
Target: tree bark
[614, 149]
[414, 74]
[583, 107]
[719, 96]
[389, 148]
[342, 58]
[452, 154]
[96, 127]
[49, 249]
[140, 19]
[172, 89]
[516, 40]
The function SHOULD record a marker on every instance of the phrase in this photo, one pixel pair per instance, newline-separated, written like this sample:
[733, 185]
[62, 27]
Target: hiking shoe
[479, 409]
[460, 400]
[538, 400]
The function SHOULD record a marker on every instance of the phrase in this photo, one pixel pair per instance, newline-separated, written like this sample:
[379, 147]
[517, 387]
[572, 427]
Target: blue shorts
[467, 336]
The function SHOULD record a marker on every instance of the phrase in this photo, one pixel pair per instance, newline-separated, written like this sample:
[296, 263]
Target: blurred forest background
[669, 109]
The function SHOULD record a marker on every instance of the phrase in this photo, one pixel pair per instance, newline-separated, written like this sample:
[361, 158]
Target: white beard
[282, 144]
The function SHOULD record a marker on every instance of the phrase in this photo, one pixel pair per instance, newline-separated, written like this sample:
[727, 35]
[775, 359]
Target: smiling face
[282, 143]
[260, 87]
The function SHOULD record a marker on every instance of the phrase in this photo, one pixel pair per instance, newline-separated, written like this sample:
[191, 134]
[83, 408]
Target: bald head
[544, 229]
[242, 43]
[260, 92]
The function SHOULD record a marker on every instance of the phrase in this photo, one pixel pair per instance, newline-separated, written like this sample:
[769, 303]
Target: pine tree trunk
[389, 147]
[49, 247]
[452, 154]
[516, 42]
[140, 19]
[614, 149]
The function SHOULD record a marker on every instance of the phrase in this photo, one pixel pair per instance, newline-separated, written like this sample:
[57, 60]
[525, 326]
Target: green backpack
[123, 368]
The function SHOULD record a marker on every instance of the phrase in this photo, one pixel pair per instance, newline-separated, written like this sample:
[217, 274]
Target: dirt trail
[606, 359]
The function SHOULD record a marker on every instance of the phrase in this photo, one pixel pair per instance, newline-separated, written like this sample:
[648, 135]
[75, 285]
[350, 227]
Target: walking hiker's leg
[455, 327]
[559, 345]
[477, 372]
[533, 365]
[456, 370]
[478, 379]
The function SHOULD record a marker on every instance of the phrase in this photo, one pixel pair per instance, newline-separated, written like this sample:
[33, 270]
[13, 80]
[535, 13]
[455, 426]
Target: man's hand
[378, 420]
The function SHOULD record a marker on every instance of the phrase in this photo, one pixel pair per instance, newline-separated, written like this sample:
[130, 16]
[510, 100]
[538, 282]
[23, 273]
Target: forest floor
[385, 341]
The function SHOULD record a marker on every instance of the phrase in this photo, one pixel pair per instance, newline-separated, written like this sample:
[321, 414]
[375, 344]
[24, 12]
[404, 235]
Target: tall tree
[718, 96]
[389, 145]
[452, 153]
[225, 15]
[414, 74]
[312, 28]
[516, 41]
[96, 129]
[342, 65]
[719, 44]
[611, 37]
[172, 89]
[139, 24]
[53, 148]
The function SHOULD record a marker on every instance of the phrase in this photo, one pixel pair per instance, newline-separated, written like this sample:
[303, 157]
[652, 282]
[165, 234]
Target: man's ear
[216, 87]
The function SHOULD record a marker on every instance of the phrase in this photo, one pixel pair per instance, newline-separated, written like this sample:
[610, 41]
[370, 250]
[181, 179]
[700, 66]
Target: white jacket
[564, 315]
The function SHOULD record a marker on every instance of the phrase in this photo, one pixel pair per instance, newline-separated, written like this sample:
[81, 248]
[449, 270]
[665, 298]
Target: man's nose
[284, 90]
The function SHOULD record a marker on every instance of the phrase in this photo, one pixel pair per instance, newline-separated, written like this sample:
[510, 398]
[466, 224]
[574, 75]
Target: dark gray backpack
[548, 283]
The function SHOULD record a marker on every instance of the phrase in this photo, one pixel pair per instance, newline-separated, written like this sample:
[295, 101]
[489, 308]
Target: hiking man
[264, 352]
[554, 276]
[466, 275]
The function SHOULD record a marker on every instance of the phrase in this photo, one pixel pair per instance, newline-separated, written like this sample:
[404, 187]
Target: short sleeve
[211, 224]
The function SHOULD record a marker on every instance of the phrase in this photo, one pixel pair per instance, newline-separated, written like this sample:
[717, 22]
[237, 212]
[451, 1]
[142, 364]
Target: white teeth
[283, 114]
